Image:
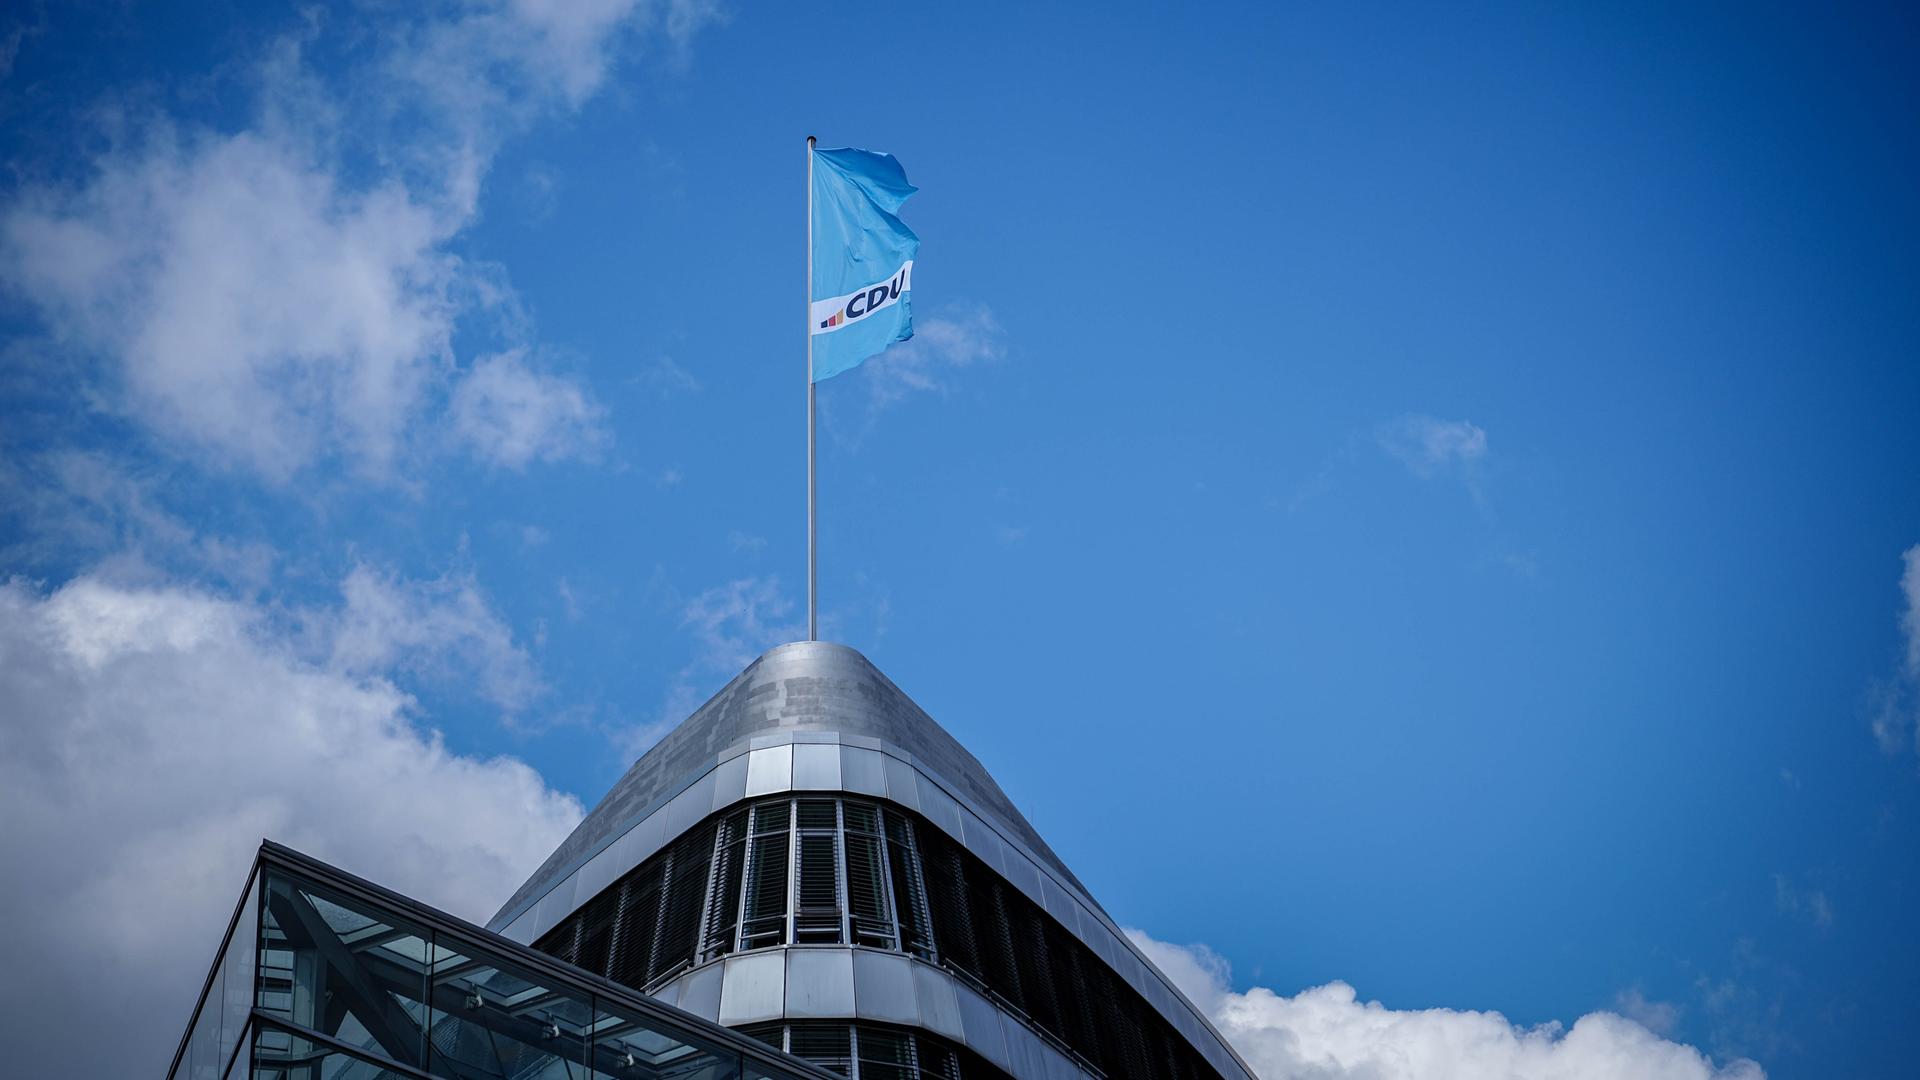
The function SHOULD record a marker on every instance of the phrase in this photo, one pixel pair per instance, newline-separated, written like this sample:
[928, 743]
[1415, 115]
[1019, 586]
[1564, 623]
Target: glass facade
[824, 870]
[812, 871]
[323, 977]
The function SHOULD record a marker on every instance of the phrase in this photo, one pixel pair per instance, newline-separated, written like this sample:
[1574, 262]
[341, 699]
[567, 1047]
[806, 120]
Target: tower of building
[811, 860]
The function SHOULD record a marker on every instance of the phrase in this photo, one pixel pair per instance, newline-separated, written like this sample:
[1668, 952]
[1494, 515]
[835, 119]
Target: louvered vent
[684, 898]
[869, 909]
[826, 1044]
[909, 887]
[723, 912]
[763, 913]
[816, 917]
[887, 1055]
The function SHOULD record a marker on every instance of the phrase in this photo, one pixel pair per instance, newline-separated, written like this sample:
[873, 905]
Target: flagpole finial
[809, 140]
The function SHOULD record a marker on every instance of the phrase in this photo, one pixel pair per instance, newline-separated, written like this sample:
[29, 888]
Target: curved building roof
[804, 686]
[817, 717]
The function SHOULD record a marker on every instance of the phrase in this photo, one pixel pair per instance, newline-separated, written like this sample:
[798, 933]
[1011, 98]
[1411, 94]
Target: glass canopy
[323, 976]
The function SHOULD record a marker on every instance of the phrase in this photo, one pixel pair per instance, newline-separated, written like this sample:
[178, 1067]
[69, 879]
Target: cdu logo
[857, 305]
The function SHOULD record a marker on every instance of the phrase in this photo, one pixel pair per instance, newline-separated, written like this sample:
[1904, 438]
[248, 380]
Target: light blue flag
[862, 258]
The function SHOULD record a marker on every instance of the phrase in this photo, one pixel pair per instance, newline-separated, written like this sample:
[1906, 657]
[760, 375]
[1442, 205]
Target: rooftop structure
[811, 859]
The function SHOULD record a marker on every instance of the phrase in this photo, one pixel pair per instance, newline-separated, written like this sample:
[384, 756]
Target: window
[763, 914]
[824, 870]
[817, 910]
[811, 871]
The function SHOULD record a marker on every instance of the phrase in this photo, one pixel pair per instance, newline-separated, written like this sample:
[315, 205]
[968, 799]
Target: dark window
[763, 919]
[723, 912]
[826, 870]
[817, 915]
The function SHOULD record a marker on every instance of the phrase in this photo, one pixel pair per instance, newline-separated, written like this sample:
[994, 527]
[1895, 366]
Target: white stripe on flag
[840, 312]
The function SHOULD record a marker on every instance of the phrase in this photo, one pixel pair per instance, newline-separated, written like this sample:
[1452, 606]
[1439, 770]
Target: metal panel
[1107, 948]
[1023, 1048]
[640, 842]
[554, 906]
[819, 982]
[883, 988]
[770, 771]
[1059, 904]
[690, 807]
[595, 876]
[1059, 1066]
[1025, 876]
[940, 809]
[1133, 971]
[981, 1028]
[520, 930]
[903, 784]
[752, 988]
[816, 767]
[1160, 997]
[670, 993]
[1085, 927]
[861, 771]
[1191, 1027]
[939, 1006]
[729, 781]
[700, 991]
[984, 843]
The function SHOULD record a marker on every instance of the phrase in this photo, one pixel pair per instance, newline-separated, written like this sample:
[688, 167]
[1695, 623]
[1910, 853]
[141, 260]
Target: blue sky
[1444, 479]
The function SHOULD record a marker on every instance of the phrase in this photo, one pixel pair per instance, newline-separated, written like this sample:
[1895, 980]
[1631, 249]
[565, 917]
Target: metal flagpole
[813, 607]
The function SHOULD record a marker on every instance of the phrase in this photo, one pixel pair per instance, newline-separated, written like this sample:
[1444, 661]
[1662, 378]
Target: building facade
[809, 859]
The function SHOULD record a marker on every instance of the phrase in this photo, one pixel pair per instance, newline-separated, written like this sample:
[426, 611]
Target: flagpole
[813, 617]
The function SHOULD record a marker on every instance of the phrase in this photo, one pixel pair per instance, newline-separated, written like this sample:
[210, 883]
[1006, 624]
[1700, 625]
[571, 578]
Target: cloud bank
[1327, 1033]
[287, 292]
[154, 735]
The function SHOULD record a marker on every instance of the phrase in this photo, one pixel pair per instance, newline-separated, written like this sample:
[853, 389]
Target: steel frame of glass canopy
[325, 976]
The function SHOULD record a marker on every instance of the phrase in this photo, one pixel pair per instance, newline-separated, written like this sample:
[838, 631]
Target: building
[809, 858]
[810, 864]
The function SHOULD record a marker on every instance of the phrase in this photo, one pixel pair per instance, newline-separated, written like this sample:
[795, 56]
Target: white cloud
[153, 736]
[940, 346]
[82, 504]
[511, 414]
[285, 292]
[736, 622]
[1910, 619]
[667, 379]
[1327, 1033]
[259, 312]
[730, 625]
[1658, 1017]
[442, 629]
[1895, 704]
[1427, 445]
[1811, 903]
